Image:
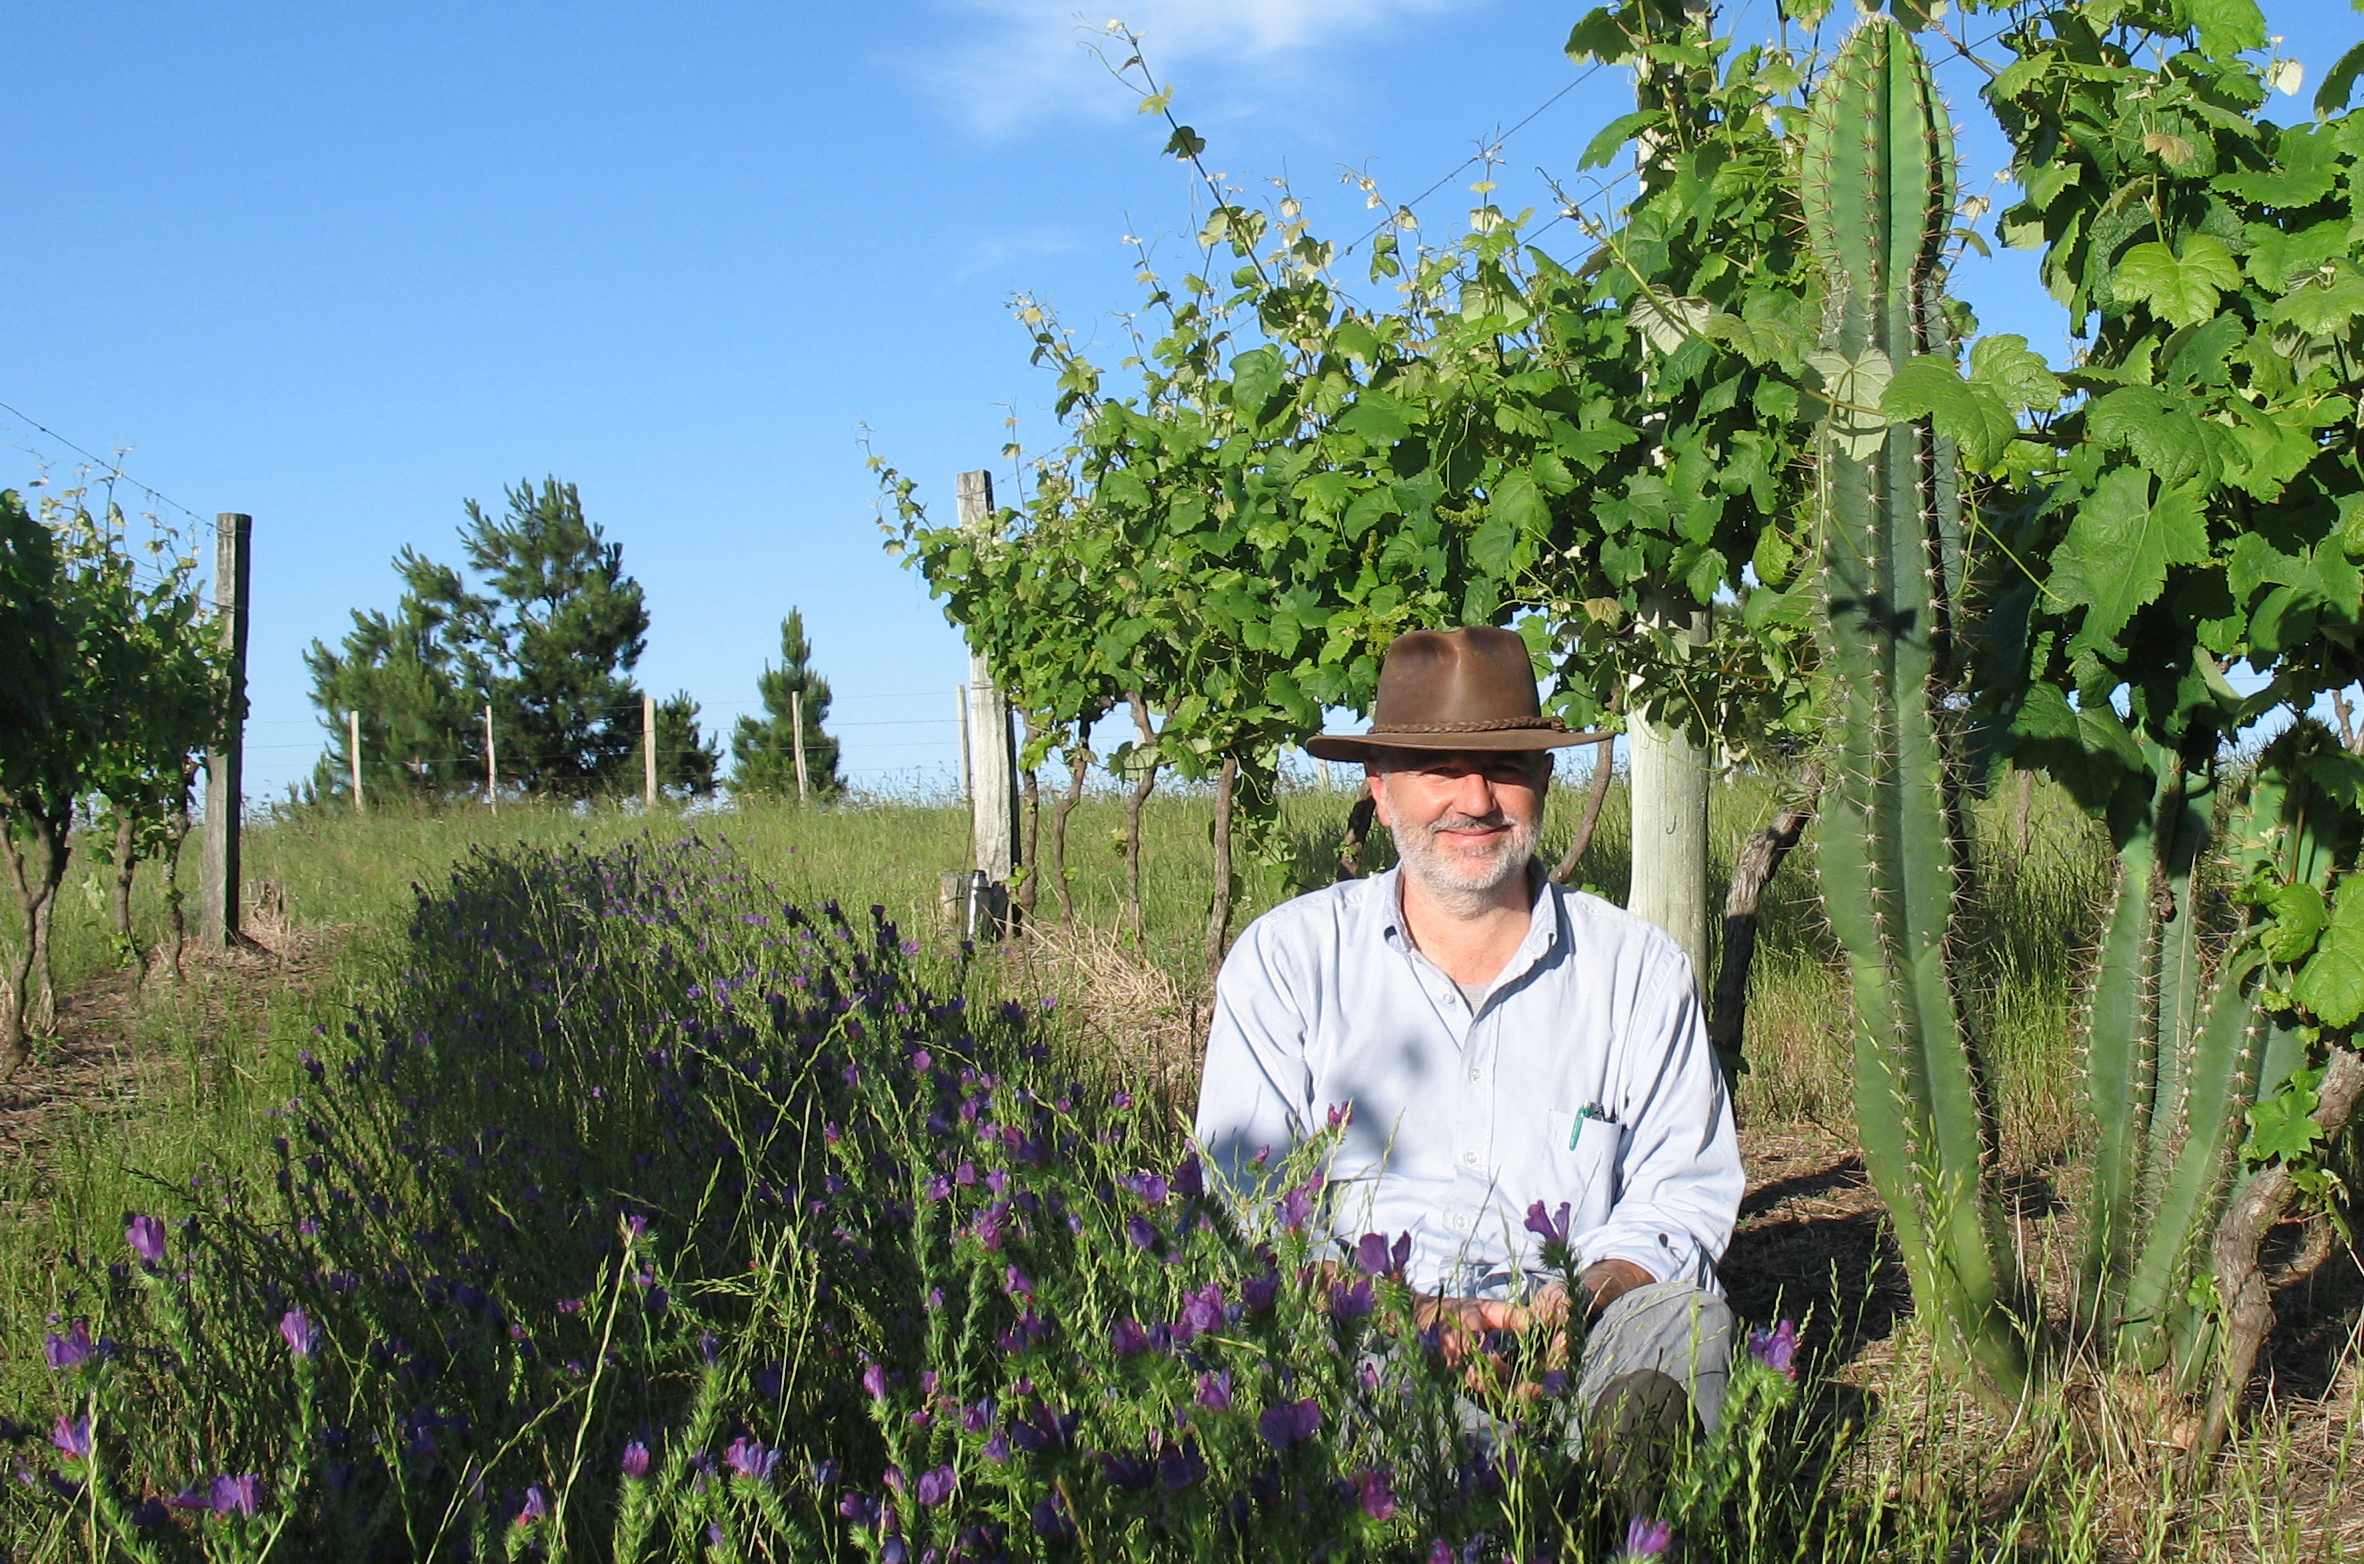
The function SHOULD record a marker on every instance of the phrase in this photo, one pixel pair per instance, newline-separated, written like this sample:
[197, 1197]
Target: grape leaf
[2115, 557]
[1974, 418]
[2015, 375]
[2299, 915]
[2282, 1128]
[2180, 289]
[2331, 984]
[2161, 433]
[2320, 308]
[2226, 27]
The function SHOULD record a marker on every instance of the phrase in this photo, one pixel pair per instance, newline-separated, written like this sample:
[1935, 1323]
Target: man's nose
[1473, 794]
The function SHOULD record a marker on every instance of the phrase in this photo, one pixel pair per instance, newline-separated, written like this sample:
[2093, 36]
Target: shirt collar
[1383, 919]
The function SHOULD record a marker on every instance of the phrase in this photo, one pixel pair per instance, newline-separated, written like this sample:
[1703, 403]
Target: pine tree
[686, 762]
[573, 628]
[550, 647]
[763, 749]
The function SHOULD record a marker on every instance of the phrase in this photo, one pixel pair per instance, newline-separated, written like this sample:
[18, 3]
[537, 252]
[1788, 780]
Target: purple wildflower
[1286, 1423]
[72, 1436]
[874, 1380]
[1139, 1230]
[1551, 1228]
[934, 1487]
[240, 1495]
[1214, 1391]
[634, 1462]
[1128, 1338]
[145, 1234]
[71, 1350]
[301, 1335]
[977, 1416]
[536, 1506]
[1373, 1493]
[1202, 1311]
[1646, 1538]
[1348, 1304]
[1259, 1293]
[1777, 1348]
[1190, 1178]
[750, 1459]
[1014, 1280]
[1341, 1113]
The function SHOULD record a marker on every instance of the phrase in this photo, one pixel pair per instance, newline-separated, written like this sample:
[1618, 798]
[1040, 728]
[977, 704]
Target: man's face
[1465, 822]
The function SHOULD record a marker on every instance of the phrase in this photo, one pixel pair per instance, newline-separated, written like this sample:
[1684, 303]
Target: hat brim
[1363, 746]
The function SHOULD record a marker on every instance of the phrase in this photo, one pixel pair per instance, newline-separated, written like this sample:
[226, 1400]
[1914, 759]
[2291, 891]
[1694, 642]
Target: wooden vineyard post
[353, 753]
[992, 752]
[796, 724]
[492, 765]
[1666, 778]
[648, 751]
[217, 923]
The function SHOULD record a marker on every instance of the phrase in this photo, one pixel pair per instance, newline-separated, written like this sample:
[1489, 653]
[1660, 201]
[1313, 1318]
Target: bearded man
[1495, 1043]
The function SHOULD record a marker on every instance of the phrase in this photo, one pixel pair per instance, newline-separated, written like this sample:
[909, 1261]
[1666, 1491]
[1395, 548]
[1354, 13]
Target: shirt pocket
[1584, 1165]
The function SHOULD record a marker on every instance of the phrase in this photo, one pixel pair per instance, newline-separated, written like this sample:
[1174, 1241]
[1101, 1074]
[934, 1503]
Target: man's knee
[1670, 1328]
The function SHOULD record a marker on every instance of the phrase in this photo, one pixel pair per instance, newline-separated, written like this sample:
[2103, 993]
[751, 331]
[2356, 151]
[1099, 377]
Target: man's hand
[1606, 1281]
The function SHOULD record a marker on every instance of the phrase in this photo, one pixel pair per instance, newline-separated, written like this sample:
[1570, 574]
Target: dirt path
[117, 1045]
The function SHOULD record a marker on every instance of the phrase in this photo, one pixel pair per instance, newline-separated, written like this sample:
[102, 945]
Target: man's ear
[1376, 780]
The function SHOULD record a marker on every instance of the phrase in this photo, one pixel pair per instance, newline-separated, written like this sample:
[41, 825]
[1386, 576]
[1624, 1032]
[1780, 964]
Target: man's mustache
[1493, 820]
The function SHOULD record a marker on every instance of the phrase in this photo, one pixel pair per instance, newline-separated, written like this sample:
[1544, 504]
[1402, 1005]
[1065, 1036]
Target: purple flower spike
[634, 1463]
[72, 1436]
[145, 1234]
[1259, 1293]
[1128, 1338]
[536, 1507]
[1370, 1254]
[935, 1487]
[1140, 1232]
[71, 1350]
[1348, 1304]
[1214, 1391]
[874, 1380]
[1287, 1423]
[1014, 1280]
[1777, 1348]
[1296, 1207]
[1646, 1538]
[1190, 1178]
[1373, 1493]
[302, 1336]
[750, 1459]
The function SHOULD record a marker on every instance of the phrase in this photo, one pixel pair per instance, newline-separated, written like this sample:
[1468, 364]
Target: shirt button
[1475, 1073]
[1470, 1157]
[1457, 1222]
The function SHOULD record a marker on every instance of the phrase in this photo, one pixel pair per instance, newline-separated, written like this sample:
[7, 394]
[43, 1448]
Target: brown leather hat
[1470, 689]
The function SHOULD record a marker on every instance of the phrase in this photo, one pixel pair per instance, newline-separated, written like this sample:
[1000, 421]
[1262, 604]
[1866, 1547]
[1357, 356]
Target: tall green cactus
[1877, 186]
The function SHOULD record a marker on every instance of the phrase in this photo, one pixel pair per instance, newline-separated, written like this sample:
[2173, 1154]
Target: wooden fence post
[796, 722]
[225, 802]
[492, 765]
[353, 753]
[648, 751]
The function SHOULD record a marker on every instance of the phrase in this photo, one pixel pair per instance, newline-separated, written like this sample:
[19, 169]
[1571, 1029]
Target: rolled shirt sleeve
[1255, 1087]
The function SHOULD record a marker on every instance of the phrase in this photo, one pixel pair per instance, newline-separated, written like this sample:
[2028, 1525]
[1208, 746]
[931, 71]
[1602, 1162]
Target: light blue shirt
[1584, 1076]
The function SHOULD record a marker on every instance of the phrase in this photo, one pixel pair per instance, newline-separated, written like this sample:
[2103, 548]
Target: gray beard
[1459, 885]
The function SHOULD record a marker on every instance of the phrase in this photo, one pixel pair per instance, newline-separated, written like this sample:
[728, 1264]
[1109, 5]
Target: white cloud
[1021, 61]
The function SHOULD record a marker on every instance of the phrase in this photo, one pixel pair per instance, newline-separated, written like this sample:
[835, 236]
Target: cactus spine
[1877, 189]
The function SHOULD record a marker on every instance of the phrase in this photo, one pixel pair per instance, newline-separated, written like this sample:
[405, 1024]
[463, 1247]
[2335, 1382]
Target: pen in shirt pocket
[1591, 1110]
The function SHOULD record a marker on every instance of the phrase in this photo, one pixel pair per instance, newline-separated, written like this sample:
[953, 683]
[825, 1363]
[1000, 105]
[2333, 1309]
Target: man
[1499, 1042]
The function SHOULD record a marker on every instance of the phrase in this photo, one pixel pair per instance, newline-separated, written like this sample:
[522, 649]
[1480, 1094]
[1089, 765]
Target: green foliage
[686, 760]
[763, 749]
[31, 653]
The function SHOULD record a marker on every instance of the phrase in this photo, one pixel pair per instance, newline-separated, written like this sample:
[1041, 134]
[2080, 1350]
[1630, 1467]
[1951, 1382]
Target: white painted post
[796, 722]
[1668, 779]
[993, 758]
[353, 750]
[648, 751]
[492, 765]
[960, 698]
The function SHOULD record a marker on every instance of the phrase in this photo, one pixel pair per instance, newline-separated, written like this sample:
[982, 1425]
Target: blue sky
[344, 266]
